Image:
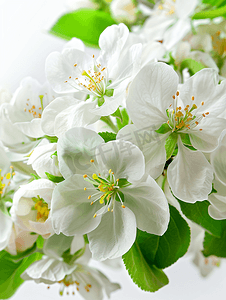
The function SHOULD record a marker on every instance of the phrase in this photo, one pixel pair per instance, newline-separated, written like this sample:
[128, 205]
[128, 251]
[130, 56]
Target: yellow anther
[192, 98]
[75, 65]
[207, 113]
[91, 203]
[91, 160]
[89, 197]
[109, 171]
[85, 176]
[85, 188]
[123, 206]
[194, 106]
[196, 123]
[108, 208]
[112, 210]
[95, 215]
[11, 167]
[95, 176]
[177, 93]
[200, 129]
[8, 175]
[202, 103]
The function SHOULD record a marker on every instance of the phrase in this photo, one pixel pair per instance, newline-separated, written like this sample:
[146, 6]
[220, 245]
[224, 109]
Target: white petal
[206, 140]
[185, 8]
[218, 159]
[123, 158]
[115, 235]
[150, 94]
[75, 150]
[47, 270]
[148, 202]
[190, 175]
[217, 209]
[6, 228]
[78, 115]
[59, 67]
[56, 245]
[77, 243]
[71, 212]
[204, 87]
[32, 129]
[150, 143]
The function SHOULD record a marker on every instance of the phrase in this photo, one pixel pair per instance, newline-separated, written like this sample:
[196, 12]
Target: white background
[24, 45]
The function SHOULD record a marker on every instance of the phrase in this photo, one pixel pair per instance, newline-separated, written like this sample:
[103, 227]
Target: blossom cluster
[116, 151]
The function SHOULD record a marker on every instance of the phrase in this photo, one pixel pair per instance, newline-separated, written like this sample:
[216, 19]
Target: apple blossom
[110, 199]
[185, 112]
[31, 207]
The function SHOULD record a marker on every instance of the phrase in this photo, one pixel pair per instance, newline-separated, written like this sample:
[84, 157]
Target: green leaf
[164, 129]
[157, 252]
[10, 273]
[147, 277]
[198, 213]
[84, 24]
[215, 245]
[192, 65]
[175, 241]
[163, 251]
[210, 14]
[108, 136]
[53, 178]
[170, 144]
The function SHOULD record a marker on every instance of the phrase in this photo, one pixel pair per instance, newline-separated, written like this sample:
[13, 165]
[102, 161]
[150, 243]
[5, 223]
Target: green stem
[210, 14]
[109, 122]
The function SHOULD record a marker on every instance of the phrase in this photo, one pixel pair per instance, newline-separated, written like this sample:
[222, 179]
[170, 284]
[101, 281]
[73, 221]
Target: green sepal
[163, 129]
[170, 144]
[108, 136]
[210, 14]
[55, 179]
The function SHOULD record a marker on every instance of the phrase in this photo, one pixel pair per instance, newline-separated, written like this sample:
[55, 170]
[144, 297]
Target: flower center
[108, 191]
[42, 209]
[36, 112]
[184, 119]
[5, 180]
[212, 260]
[167, 6]
[69, 280]
[94, 80]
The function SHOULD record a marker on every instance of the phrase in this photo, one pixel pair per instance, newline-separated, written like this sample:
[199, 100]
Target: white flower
[123, 11]
[170, 21]
[189, 112]
[110, 199]
[87, 281]
[183, 51]
[44, 159]
[20, 240]
[105, 78]
[27, 105]
[31, 206]
[205, 264]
